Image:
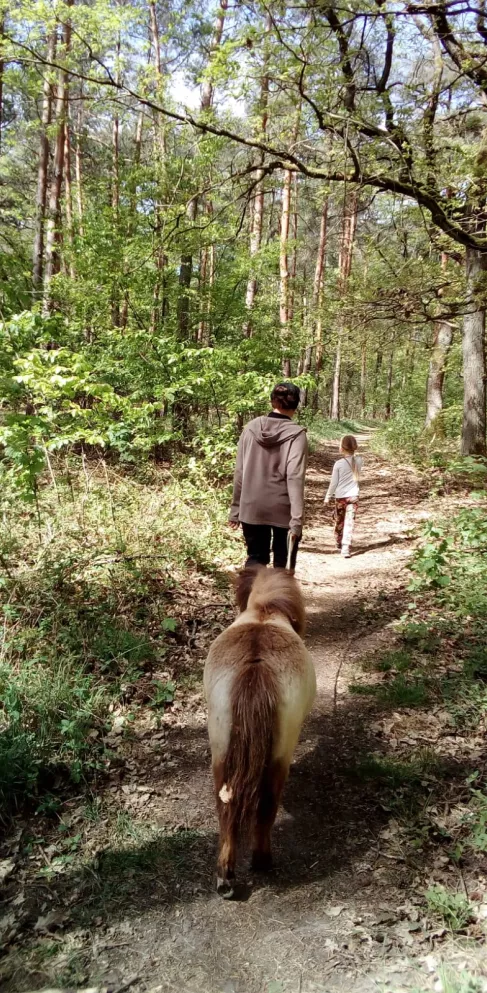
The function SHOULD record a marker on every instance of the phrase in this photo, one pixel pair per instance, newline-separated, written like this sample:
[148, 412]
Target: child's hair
[286, 396]
[348, 445]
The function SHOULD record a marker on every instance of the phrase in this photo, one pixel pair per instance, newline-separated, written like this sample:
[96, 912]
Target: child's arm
[333, 484]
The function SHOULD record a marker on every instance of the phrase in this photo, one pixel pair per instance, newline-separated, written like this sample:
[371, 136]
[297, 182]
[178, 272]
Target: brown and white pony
[259, 684]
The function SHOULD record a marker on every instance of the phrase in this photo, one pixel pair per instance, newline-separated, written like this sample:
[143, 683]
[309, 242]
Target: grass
[86, 610]
[454, 909]
[394, 772]
[321, 429]
[398, 692]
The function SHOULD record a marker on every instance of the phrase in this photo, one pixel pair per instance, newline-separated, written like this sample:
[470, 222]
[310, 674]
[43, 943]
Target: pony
[259, 684]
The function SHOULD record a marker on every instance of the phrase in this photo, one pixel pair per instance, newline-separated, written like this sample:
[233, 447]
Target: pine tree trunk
[474, 391]
[363, 379]
[2, 68]
[77, 165]
[436, 372]
[42, 172]
[284, 263]
[344, 270]
[258, 205]
[284, 296]
[158, 307]
[53, 219]
[317, 301]
[378, 367]
[218, 25]
[69, 194]
[133, 212]
[185, 274]
[294, 256]
[389, 386]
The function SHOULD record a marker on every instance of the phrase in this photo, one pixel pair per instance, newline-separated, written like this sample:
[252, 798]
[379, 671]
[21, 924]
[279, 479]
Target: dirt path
[328, 919]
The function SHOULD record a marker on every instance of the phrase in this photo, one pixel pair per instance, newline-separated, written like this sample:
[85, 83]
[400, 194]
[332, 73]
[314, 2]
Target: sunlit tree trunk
[133, 210]
[284, 295]
[2, 68]
[258, 202]
[436, 371]
[185, 274]
[53, 218]
[294, 254]
[390, 373]
[158, 304]
[77, 164]
[363, 378]
[344, 269]
[317, 303]
[69, 194]
[474, 389]
[377, 371]
[42, 171]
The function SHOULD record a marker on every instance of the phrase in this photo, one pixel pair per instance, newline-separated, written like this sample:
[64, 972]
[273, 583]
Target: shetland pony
[259, 684]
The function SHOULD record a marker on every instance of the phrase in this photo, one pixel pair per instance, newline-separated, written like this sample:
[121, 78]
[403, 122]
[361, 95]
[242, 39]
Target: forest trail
[319, 923]
[335, 914]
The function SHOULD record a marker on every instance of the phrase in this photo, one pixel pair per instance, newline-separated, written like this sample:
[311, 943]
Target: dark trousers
[258, 540]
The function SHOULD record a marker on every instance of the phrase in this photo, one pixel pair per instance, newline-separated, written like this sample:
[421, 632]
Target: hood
[272, 431]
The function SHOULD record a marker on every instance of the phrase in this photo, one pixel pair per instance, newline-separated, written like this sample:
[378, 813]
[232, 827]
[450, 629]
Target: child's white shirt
[343, 485]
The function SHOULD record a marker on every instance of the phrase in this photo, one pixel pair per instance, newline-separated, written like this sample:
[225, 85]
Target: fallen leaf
[335, 911]
[7, 866]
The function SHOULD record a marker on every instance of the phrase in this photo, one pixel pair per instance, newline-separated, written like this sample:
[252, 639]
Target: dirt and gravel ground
[342, 910]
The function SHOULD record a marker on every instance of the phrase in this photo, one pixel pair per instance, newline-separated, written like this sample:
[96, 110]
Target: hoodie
[268, 485]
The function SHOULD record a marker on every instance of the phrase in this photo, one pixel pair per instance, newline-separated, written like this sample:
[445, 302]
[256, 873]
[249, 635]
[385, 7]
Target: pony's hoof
[262, 862]
[225, 888]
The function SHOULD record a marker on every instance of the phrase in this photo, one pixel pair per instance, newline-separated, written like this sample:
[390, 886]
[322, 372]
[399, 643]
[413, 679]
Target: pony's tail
[254, 724]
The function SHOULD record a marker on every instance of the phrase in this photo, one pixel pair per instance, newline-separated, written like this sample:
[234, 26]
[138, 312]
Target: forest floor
[344, 909]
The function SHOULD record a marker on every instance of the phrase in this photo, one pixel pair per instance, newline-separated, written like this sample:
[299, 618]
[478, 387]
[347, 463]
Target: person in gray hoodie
[268, 485]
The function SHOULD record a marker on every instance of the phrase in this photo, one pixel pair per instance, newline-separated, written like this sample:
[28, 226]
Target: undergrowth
[86, 576]
[438, 668]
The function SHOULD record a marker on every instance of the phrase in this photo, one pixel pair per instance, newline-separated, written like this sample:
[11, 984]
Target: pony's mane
[271, 591]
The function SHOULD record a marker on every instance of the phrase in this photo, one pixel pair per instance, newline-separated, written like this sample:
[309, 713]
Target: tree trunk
[378, 367]
[436, 372]
[69, 193]
[474, 392]
[53, 220]
[77, 165]
[389, 386]
[207, 87]
[294, 257]
[258, 205]
[284, 262]
[133, 212]
[42, 172]
[158, 308]
[344, 270]
[363, 379]
[185, 273]
[2, 68]
[284, 315]
[317, 301]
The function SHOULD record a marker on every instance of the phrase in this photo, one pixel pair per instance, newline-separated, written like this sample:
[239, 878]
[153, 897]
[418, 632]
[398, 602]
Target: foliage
[85, 591]
[453, 908]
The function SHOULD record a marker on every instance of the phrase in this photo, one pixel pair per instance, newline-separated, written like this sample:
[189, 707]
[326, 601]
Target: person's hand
[234, 525]
[326, 500]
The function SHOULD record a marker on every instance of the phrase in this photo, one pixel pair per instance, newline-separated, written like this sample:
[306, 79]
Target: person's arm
[295, 476]
[333, 484]
[237, 484]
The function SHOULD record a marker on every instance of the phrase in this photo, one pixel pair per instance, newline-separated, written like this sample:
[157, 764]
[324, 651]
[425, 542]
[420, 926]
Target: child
[345, 488]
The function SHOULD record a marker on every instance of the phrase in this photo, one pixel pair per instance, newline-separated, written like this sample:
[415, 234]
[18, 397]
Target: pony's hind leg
[225, 883]
[271, 789]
